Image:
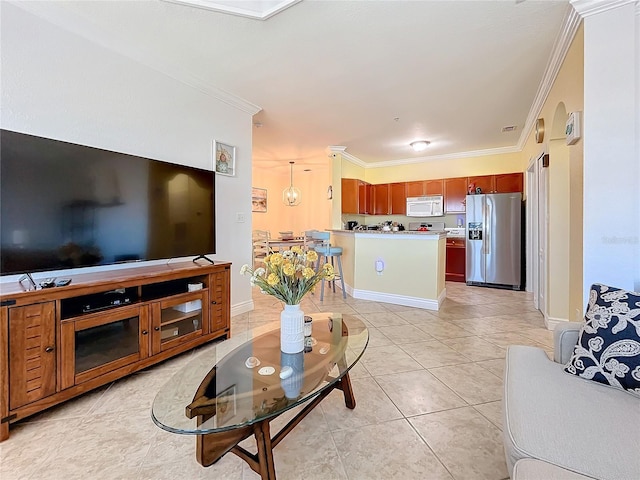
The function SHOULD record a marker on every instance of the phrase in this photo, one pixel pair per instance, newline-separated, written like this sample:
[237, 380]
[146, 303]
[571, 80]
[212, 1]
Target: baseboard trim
[398, 299]
[551, 322]
[243, 307]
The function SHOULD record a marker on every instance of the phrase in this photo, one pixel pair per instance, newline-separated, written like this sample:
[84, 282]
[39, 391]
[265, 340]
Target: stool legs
[333, 286]
[344, 290]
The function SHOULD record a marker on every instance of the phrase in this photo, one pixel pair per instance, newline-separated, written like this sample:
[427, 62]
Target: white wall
[60, 85]
[612, 146]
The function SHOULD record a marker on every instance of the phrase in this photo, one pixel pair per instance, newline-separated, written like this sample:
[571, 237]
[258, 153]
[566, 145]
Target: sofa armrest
[565, 337]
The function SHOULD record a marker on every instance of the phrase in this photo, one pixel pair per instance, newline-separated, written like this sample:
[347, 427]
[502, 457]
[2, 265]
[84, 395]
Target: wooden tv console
[57, 343]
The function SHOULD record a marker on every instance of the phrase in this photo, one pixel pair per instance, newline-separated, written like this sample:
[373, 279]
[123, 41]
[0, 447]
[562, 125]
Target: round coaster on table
[267, 371]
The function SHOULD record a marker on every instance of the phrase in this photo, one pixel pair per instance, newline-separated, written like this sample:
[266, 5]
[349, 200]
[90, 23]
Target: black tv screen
[64, 205]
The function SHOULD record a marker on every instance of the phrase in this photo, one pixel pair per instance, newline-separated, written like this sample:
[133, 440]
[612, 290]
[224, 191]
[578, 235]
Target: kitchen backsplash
[450, 220]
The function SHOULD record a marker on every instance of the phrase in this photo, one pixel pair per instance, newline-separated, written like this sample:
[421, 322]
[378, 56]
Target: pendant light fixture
[291, 195]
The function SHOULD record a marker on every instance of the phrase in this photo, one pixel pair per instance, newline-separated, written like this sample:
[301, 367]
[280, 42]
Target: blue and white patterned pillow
[608, 350]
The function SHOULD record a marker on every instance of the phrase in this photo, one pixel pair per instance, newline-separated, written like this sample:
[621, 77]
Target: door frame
[537, 231]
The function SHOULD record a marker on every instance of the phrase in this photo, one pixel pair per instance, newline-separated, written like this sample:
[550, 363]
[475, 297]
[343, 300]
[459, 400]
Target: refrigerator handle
[487, 228]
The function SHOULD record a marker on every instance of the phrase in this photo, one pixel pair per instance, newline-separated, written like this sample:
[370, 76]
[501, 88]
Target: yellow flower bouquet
[289, 275]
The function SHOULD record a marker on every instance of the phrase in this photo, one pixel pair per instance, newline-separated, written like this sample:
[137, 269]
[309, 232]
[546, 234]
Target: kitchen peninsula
[403, 268]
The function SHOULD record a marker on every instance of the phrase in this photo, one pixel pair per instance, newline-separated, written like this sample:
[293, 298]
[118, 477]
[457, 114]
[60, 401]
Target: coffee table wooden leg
[265, 450]
[211, 447]
[345, 386]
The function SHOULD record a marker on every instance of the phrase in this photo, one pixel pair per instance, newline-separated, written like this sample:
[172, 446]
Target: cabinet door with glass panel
[179, 319]
[96, 343]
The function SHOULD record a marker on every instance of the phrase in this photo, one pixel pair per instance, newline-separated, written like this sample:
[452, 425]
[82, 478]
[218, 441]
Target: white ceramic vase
[292, 329]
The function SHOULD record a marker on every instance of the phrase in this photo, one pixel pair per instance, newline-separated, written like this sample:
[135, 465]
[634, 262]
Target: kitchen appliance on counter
[494, 240]
[351, 224]
[428, 206]
[426, 226]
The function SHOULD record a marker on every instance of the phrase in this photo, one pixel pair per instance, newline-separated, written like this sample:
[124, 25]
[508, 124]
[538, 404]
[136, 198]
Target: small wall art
[259, 200]
[225, 159]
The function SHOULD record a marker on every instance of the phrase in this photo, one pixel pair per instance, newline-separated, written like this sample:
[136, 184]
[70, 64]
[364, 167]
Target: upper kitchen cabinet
[502, 183]
[485, 183]
[381, 199]
[356, 196]
[420, 188]
[398, 194]
[509, 182]
[455, 194]
[365, 198]
[434, 187]
[417, 188]
[350, 195]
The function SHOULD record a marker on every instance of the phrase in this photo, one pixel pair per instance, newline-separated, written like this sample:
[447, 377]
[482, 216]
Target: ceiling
[371, 76]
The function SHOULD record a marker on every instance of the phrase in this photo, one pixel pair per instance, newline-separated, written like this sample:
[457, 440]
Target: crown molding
[237, 8]
[56, 14]
[587, 8]
[409, 161]
[355, 160]
[336, 149]
[570, 25]
[447, 156]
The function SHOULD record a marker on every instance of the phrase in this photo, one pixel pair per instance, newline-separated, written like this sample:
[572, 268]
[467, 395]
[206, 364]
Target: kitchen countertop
[382, 232]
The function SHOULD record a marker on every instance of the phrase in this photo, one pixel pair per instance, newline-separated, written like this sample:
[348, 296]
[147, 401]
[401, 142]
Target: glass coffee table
[233, 390]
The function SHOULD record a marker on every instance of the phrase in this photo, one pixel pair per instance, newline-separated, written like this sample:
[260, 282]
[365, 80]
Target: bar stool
[329, 253]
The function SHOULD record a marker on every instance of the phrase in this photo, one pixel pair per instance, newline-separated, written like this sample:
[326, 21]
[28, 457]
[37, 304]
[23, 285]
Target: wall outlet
[240, 217]
[379, 266]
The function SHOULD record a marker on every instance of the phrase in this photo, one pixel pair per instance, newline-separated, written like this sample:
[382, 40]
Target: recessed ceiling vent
[509, 128]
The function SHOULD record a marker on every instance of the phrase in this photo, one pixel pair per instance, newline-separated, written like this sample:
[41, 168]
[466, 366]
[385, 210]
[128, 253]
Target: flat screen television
[64, 205]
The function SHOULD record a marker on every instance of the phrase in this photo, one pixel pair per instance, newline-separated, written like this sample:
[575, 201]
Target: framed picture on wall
[259, 200]
[225, 159]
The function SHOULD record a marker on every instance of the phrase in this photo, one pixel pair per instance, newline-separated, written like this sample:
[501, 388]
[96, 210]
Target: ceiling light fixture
[419, 145]
[291, 195]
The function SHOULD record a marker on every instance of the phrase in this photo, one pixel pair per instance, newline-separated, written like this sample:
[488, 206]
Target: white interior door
[532, 231]
[543, 222]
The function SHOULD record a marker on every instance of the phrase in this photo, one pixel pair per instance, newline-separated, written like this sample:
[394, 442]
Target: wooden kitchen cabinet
[356, 196]
[455, 194]
[398, 194]
[425, 187]
[509, 182]
[365, 198]
[350, 194]
[485, 182]
[381, 199]
[416, 188]
[501, 183]
[434, 187]
[455, 265]
[390, 198]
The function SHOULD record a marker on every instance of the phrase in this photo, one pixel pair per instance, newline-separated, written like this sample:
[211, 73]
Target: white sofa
[560, 426]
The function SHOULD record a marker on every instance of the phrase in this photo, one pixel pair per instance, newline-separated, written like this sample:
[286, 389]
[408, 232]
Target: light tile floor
[428, 392]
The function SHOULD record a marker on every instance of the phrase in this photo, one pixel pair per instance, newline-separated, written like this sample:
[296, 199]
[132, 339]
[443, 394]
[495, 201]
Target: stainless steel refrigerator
[494, 240]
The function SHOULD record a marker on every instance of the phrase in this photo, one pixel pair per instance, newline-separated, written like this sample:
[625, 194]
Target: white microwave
[429, 206]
